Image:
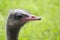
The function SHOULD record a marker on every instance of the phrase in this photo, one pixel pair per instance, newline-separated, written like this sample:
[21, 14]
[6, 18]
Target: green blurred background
[46, 29]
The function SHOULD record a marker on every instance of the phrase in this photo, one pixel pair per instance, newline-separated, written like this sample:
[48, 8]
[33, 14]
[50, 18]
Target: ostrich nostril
[33, 17]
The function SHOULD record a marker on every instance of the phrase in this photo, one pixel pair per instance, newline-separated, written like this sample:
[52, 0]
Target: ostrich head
[16, 19]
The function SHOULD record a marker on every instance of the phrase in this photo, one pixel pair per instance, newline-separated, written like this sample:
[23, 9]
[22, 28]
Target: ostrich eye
[18, 16]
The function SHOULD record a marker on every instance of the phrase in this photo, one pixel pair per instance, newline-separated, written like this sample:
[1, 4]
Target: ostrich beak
[32, 17]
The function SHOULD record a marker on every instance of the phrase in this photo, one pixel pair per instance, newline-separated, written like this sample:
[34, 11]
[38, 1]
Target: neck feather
[12, 32]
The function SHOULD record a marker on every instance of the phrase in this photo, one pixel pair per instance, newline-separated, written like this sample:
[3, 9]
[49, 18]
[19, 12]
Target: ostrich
[16, 19]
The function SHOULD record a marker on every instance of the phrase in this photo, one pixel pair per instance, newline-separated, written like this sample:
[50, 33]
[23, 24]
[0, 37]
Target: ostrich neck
[12, 33]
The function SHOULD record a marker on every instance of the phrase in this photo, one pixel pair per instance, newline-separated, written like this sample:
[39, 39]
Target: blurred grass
[46, 29]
